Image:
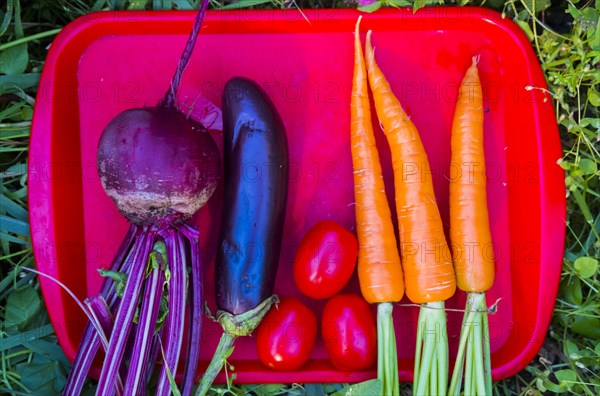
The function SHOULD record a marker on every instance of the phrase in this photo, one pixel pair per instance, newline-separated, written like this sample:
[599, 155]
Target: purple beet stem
[104, 321]
[101, 315]
[154, 355]
[195, 325]
[176, 318]
[169, 99]
[145, 333]
[90, 341]
[125, 313]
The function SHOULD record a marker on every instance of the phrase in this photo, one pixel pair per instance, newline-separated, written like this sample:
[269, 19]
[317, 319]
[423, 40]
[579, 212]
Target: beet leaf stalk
[253, 219]
[90, 341]
[159, 168]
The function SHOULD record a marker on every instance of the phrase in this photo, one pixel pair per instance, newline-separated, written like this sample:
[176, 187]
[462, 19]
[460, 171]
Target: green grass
[566, 37]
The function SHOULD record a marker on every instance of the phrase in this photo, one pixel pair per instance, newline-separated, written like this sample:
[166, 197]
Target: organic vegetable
[471, 238]
[286, 335]
[379, 268]
[428, 271]
[159, 168]
[349, 332]
[325, 260]
[252, 223]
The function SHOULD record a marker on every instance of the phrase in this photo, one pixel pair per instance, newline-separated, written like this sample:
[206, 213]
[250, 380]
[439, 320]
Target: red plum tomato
[325, 260]
[286, 335]
[349, 332]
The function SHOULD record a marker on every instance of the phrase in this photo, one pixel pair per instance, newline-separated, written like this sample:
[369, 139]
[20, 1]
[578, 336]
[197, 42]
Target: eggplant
[256, 174]
[256, 162]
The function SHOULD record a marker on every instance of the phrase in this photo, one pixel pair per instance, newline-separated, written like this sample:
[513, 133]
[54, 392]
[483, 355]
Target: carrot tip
[356, 27]
[370, 51]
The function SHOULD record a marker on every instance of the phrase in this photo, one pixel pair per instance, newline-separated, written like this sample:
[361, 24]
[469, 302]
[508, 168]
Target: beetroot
[159, 167]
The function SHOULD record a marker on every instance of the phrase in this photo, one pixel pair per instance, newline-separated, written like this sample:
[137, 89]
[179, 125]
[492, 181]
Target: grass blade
[25, 337]
[15, 226]
[12, 208]
[24, 81]
[7, 16]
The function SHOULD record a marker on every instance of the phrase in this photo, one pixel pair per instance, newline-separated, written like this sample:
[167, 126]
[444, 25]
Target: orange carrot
[379, 268]
[471, 238]
[428, 271]
[469, 221]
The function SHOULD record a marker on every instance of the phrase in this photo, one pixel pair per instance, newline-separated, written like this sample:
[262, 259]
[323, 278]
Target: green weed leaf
[586, 267]
[574, 11]
[588, 166]
[14, 60]
[418, 4]
[367, 388]
[315, 390]
[243, 4]
[588, 18]
[572, 291]
[566, 375]
[398, 3]
[21, 306]
[269, 389]
[372, 7]
[595, 42]
[43, 377]
[593, 97]
[525, 26]
[537, 6]
[571, 348]
[586, 326]
[567, 378]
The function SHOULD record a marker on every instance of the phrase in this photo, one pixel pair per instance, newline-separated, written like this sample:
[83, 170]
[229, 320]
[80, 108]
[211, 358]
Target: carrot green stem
[426, 353]
[442, 358]
[431, 357]
[387, 364]
[380, 350]
[434, 376]
[478, 354]
[468, 364]
[418, 347]
[465, 333]
[473, 358]
[486, 349]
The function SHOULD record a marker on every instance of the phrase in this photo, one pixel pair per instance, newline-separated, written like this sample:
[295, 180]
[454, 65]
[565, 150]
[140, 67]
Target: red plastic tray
[106, 62]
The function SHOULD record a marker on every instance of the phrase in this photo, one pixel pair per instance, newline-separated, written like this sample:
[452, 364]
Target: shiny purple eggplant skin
[255, 193]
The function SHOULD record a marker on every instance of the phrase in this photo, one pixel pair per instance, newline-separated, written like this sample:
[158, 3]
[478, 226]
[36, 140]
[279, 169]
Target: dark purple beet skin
[157, 165]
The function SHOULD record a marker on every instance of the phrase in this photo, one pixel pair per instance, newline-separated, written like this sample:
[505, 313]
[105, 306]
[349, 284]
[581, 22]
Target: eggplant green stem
[431, 352]
[233, 326]
[387, 357]
[473, 358]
